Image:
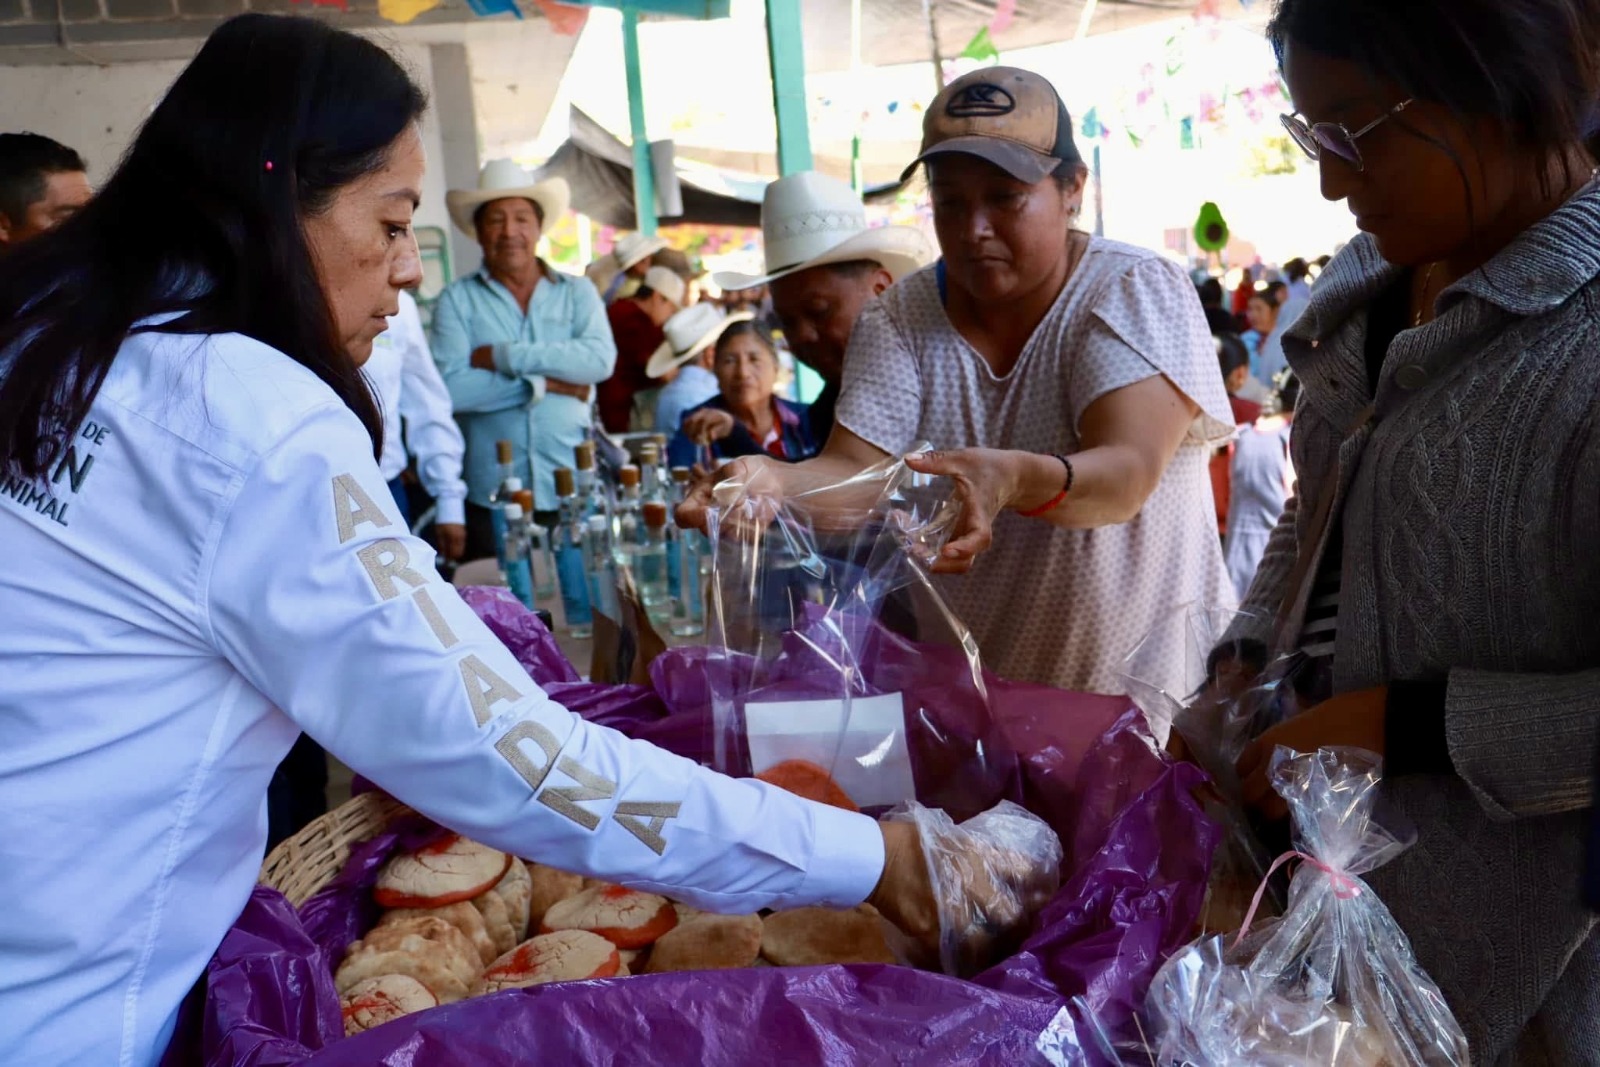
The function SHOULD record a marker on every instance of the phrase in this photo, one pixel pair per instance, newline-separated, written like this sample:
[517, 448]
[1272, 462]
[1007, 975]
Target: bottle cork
[525, 498]
[649, 454]
[629, 476]
[502, 451]
[680, 475]
[655, 514]
[566, 485]
[584, 455]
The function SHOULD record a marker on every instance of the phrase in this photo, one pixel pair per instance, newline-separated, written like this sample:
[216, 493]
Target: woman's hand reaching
[986, 484]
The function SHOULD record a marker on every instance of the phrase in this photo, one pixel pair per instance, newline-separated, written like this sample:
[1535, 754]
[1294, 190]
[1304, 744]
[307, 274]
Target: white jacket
[409, 389]
[218, 545]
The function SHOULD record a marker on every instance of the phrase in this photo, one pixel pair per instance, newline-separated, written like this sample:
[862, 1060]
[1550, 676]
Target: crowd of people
[205, 366]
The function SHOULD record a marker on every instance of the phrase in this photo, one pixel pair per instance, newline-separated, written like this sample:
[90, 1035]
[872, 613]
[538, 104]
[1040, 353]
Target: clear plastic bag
[830, 646]
[1331, 982]
[1216, 692]
[990, 876]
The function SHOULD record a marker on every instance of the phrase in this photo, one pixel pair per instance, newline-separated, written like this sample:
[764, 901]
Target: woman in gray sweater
[1437, 575]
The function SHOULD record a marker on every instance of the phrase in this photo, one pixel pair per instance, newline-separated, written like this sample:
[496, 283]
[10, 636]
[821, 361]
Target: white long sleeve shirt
[215, 565]
[409, 389]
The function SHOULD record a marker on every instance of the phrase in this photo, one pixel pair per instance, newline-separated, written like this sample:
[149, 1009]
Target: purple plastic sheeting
[1137, 885]
[1121, 913]
[521, 631]
[1138, 852]
[818, 1015]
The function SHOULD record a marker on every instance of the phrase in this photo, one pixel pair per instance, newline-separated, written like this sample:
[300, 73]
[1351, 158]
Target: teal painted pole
[644, 179]
[786, 51]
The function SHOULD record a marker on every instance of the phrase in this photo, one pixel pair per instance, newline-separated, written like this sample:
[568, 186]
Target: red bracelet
[1055, 501]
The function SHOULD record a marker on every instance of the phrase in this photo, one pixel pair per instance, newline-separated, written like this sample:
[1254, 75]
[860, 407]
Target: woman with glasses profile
[1434, 577]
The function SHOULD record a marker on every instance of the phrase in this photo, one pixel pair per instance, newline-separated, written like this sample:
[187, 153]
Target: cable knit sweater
[1466, 490]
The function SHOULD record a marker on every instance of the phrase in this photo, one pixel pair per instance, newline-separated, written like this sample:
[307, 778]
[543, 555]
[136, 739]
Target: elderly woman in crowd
[745, 418]
[1076, 380]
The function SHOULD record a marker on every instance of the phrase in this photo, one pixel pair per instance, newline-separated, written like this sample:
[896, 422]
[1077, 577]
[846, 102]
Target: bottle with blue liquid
[567, 544]
[518, 566]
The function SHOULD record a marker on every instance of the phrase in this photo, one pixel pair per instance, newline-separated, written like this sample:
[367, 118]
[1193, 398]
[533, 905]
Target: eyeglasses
[1336, 137]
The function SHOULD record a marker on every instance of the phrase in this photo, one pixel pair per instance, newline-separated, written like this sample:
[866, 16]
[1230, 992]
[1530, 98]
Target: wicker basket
[309, 860]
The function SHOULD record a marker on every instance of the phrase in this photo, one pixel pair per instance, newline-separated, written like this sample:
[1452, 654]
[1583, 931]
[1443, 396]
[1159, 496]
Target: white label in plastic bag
[867, 756]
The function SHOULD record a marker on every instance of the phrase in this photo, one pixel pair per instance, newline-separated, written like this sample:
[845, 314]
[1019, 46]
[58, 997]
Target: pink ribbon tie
[1345, 887]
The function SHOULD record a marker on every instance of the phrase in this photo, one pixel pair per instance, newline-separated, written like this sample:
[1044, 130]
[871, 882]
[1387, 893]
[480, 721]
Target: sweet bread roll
[463, 916]
[625, 917]
[565, 956]
[497, 919]
[451, 869]
[426, 938]
[375, 1001]
[810, 937]
[709, 943]
[437, 977]
[806, 779]
[516, 889]
[548, 888]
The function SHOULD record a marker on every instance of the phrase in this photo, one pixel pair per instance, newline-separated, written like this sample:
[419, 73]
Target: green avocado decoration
[1211, 229]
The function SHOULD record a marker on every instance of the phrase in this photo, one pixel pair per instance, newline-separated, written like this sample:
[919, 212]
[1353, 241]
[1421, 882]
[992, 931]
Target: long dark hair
[1531, 66]
[203, 218]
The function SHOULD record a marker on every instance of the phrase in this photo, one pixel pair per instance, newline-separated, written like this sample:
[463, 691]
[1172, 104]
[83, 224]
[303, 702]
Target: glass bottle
[689, 568]
[505, 488]
[539, 557]
[519, 573]
[650, 562]
[651, 485]
[568, 543]
[598, 567]
[596, 500]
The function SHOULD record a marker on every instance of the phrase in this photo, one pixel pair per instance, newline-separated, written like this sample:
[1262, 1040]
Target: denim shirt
[563, 335]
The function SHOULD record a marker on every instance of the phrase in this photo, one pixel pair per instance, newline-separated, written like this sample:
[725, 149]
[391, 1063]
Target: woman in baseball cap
[1071, 382]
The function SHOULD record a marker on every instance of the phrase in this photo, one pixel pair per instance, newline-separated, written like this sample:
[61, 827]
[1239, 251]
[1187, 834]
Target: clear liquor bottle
[568, 543]
[519, 572]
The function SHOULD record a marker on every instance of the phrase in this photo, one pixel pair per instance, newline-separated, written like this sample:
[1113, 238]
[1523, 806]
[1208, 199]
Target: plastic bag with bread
[1333, 980]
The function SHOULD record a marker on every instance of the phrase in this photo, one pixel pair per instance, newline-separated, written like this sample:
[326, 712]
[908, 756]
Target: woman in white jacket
[201, 559]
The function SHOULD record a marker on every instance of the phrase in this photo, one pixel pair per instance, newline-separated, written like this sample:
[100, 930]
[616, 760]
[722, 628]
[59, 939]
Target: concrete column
[458, 131]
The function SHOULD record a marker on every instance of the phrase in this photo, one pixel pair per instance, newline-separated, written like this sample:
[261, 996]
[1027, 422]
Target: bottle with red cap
[650, 562]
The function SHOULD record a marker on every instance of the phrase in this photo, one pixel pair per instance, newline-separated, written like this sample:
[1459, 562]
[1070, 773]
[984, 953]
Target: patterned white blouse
[1048, 605]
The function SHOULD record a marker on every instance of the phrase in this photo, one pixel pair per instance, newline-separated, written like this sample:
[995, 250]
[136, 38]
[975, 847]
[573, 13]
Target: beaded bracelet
[1055, 501]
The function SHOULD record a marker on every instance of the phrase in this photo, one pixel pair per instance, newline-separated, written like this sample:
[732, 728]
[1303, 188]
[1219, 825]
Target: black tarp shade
[599, 168]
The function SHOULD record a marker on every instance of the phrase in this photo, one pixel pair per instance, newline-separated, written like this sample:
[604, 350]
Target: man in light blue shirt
[519, 345]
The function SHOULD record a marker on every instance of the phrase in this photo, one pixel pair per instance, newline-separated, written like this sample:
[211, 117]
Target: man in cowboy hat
[519, 345]
[823, 264]
[618, 273]
[636, 323]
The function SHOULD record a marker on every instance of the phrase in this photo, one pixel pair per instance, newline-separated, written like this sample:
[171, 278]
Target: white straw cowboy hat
[503, 179]
[632, 247]
[668, 283]
[809, 220]
[689, 333]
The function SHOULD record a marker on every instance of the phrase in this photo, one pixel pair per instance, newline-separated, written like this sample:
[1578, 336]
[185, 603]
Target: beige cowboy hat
[689, 333]
[665, 280]
[632, 247]
[503, 179]
[809, 220]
